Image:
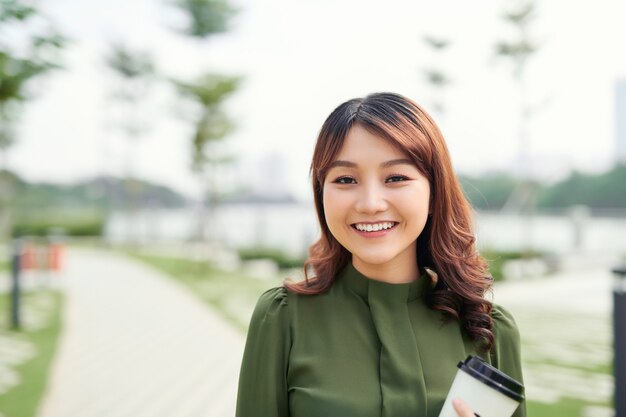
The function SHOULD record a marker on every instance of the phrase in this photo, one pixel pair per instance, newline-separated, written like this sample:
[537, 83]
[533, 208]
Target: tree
[134, 71]
[25, 55]
[434, 74]
[518, 51]
[205, 19]
[212, 125]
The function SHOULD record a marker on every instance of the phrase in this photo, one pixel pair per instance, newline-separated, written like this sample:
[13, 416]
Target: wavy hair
[446, 244]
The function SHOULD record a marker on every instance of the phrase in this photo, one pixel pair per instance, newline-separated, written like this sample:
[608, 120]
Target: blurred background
[154, 160]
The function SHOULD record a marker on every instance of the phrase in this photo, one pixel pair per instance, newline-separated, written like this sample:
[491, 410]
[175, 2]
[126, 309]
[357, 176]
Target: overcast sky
[301, 59]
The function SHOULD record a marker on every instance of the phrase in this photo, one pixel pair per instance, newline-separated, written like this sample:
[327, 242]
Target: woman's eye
[397, 178]
[345, 180]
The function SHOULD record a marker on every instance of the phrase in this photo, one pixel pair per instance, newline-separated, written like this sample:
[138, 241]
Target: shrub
[496, 260]
[283, 260]
[92, 226]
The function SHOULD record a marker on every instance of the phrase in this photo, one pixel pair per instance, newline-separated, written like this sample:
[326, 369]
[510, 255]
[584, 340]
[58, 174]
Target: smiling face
[376, 204]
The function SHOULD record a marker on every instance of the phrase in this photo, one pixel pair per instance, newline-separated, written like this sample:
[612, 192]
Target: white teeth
[373, 227]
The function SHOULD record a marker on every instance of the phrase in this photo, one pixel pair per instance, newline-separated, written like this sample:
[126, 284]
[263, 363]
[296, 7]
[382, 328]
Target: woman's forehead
[363, 144]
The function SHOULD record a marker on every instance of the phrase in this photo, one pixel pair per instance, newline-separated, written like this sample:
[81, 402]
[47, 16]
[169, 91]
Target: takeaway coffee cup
[487, 390]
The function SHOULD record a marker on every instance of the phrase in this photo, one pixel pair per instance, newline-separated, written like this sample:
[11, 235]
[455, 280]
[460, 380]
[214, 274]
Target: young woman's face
[376, 204]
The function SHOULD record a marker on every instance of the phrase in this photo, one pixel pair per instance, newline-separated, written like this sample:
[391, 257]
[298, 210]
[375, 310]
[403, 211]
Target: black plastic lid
[496, 379]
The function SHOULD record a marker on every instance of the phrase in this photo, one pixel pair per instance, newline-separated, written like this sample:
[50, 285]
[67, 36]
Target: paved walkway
[136, 344]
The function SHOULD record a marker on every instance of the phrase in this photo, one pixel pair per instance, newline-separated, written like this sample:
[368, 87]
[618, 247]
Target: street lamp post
[619, 346]
[15, 287]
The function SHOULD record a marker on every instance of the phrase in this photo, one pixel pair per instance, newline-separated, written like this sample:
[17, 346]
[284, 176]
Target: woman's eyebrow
[340, 163]
[386, 164]
[393, 162]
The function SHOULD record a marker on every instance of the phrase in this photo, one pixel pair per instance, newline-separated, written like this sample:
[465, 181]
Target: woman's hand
[462, 409]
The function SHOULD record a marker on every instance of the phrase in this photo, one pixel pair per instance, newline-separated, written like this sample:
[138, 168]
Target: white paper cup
[487, 390]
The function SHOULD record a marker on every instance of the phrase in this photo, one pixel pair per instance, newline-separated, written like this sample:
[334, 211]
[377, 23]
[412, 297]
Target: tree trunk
[6, 194]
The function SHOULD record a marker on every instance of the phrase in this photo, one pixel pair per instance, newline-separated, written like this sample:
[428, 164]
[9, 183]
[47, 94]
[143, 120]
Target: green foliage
[212, 124]
[281, 259]
[14, 74]
[519, 16]
[206, 17]
[570, 407]
[436, 43]
[436, 77]
[434, 74]
[99, 193]
[25, 54]
[209, 90]
[515, 50]
[13, 9]
[19, 67]
[496, 260]
[606, 190]
[135, 72]
[129, 64]
[71, 226]
[489, 192]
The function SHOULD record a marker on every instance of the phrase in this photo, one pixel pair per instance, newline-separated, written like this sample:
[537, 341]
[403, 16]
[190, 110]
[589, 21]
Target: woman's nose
[371, 199]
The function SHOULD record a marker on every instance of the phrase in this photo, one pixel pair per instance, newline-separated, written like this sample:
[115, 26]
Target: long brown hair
[447, 243]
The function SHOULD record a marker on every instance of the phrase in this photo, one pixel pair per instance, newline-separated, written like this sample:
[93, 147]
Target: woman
[394, 292]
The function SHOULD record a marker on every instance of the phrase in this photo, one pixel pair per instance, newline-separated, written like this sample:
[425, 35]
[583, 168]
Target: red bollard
[28, 258]
[56, 253]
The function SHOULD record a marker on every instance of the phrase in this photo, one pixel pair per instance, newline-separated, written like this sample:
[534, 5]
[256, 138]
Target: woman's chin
[371, 260]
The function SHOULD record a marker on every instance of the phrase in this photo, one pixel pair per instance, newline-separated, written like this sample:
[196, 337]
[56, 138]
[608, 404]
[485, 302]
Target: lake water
[292, 228]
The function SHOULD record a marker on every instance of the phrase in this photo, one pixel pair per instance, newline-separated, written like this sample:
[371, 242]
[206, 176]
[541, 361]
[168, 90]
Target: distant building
[620, 120]
[263, 178]
[271, 175]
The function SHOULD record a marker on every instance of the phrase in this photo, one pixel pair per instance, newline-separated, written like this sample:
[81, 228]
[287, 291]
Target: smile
[373, 227]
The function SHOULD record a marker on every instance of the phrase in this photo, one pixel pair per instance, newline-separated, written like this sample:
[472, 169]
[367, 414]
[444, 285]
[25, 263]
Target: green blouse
[365, 348]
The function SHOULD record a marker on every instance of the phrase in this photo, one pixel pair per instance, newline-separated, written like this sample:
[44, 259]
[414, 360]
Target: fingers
[461, 408]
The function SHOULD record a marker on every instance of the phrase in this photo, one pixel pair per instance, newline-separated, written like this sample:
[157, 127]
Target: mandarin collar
[366, 287]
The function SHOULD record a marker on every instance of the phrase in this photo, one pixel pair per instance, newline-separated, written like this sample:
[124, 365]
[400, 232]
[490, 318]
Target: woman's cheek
[336, 209]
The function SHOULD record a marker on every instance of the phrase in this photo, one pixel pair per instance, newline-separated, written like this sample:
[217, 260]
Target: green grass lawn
[31, 349]
[567, 362]
[563, 408]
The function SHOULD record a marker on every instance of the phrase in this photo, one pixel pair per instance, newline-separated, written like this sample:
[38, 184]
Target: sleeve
[263, 376]
[506, 353]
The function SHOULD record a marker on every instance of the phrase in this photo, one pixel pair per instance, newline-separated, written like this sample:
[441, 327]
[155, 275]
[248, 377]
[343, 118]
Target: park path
[134, 343]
